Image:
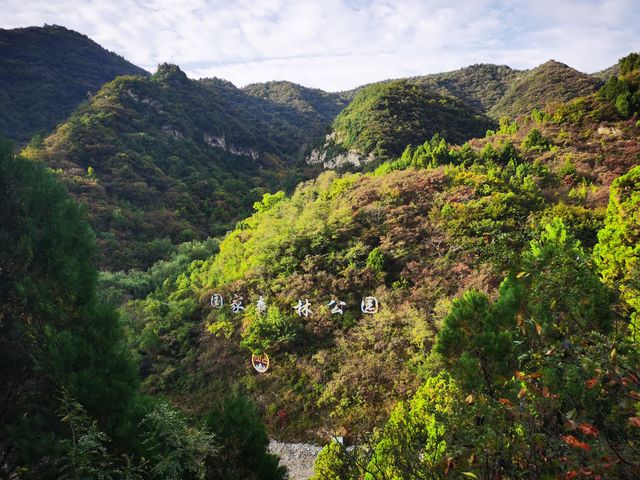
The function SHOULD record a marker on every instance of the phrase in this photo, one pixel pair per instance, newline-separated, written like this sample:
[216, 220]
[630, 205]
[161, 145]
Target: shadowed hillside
[45, 72]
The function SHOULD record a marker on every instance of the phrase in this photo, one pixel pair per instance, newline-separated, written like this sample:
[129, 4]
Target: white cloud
[338, 44]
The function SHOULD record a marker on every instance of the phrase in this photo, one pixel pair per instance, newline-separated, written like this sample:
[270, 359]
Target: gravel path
[297, 457]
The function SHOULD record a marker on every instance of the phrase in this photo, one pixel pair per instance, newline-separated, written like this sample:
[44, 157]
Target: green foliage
[535, 141]
[237, 426]
[508, 127]
[550, 82]
[568, 168]
[584, 223]
[269, 331]
[85, 454]
[334, 463]
[624, 104]
[414, 438]
[537, 116]
[431, 153]
[54, 333]
[623, 91]
[629, 63]
[176, 450]
[561, 278]
[613, 88]
[268, 201]
[476, 334]
[384, 118]
[618, 250]
[116, 288]
[376, 260]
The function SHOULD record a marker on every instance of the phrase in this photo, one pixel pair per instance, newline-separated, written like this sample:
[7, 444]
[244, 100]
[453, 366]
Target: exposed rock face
[347, 158]
[172, 132]
[297, 457]
[609, 131]
[332, 161]
[147, 101]
[215, 141]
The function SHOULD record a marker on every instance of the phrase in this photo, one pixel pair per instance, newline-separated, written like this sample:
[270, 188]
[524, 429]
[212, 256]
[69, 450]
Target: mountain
[416, 233]
[46, 72]
[480, 86]
[467, 308]
[383, 118]
[550, 82]
[310, 108]
[165, 159]
[607, 73]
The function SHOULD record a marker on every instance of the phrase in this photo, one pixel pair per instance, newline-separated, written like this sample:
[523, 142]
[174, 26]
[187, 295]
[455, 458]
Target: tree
[618, 250]
[414, 442]
[476, 337]
[535, 141]
[629, 63]
[177, 450]
[53, 332]
[334, 462]
[624, 104]
[564, 293]
[239, 429]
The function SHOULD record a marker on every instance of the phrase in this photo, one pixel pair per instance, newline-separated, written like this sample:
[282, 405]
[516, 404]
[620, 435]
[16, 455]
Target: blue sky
[339, 44]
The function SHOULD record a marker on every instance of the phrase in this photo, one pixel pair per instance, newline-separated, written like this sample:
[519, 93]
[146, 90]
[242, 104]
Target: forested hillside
[70, 407]
[550, 82]
[309, 108]
[45, 73]
[165, 159]
[480, 86]
[434, 277]
[383, 118]
[491, 305]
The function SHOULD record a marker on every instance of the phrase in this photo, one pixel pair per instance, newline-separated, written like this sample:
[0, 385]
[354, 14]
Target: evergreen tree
[53, 332]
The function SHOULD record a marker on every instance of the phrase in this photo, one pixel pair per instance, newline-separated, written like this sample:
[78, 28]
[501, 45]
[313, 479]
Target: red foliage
[588, 429]
[574, 442]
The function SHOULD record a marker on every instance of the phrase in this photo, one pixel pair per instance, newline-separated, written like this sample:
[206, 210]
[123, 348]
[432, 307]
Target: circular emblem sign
[260, 362]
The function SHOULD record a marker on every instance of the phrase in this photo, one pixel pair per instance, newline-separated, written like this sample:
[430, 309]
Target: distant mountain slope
[45, 72]
[550, 82]
[481, 86]
[607, 73]
[383, 118]
[169, 158]
[310, 108]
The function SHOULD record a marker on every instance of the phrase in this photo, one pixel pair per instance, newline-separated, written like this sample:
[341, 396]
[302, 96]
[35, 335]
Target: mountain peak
[170, 73]
[46, 73]
[552, 65]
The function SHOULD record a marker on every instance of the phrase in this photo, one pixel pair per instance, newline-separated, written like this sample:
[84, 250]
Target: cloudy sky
[339, 44]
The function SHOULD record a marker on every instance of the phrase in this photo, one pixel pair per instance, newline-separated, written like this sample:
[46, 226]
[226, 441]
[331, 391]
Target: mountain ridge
[46, 72]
